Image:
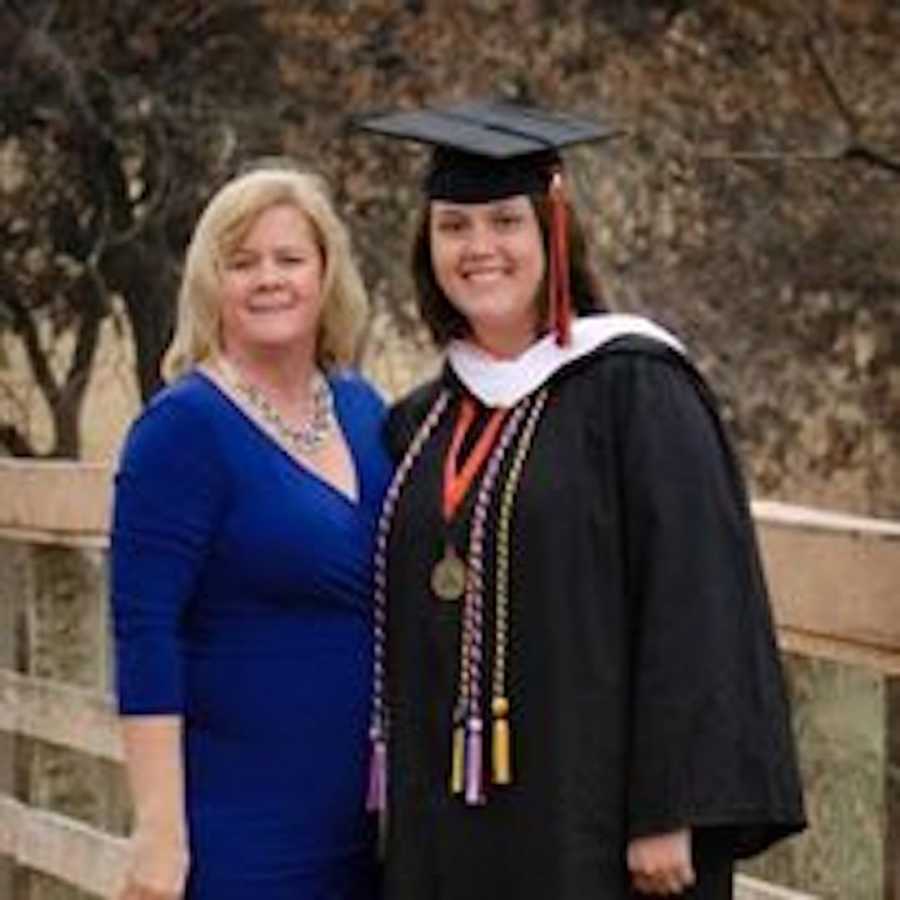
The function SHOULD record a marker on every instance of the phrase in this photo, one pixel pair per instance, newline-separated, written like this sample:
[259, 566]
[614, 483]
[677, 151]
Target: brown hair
[445, 322]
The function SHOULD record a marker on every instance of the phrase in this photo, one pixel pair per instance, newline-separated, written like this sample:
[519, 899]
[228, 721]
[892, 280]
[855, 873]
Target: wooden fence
[46, 505]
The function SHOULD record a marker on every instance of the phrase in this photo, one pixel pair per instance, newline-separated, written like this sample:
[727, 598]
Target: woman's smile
[272, 284]
[485, 274]
[489, 261]
[270, 305]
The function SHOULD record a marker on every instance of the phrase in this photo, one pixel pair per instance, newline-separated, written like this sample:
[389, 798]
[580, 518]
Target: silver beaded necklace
[306, 438]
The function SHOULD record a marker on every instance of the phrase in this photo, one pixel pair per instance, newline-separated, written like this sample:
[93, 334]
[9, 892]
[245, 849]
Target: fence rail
[60, 714]
[75, 853]
[66, 505]
[85, 857]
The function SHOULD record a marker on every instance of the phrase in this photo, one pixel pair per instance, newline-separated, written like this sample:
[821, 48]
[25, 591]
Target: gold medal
[448, 577]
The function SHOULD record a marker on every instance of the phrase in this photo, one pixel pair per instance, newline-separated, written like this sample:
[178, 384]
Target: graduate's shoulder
[601, 337]
[407, 414]
[416, 403]
[640, 369]
[639, 347]
[636, 342]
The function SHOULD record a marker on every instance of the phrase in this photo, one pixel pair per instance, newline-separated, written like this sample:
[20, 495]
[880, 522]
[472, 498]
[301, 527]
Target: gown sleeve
[711, 743]
[169, 496]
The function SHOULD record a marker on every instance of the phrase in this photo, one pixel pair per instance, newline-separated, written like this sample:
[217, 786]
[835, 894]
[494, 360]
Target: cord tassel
[502, 768]
[376, 801]
[474, 786]
[457, 765]
[560, 301]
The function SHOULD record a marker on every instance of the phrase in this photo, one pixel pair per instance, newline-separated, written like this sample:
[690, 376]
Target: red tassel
[559, 301]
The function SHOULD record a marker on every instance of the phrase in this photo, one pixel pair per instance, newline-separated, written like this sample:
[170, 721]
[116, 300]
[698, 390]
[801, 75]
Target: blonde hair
[222, 225]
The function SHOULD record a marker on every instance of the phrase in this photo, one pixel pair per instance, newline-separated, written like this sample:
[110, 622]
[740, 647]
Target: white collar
[504, 382]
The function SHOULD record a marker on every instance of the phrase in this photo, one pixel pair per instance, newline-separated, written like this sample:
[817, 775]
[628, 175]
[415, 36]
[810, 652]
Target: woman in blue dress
[245, 507]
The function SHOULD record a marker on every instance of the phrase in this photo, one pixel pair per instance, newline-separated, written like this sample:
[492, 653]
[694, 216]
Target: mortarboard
[488, 150]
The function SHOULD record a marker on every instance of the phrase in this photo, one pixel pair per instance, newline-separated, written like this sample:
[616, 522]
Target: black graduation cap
[488, 149]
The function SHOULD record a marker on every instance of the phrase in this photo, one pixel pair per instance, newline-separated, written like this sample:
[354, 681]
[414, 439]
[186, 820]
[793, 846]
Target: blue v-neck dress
[241, 593]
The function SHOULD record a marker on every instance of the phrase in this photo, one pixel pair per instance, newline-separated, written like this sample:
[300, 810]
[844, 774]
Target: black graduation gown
[646, 690]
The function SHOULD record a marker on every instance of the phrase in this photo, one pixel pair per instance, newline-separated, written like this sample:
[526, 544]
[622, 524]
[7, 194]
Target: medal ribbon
[458, 481]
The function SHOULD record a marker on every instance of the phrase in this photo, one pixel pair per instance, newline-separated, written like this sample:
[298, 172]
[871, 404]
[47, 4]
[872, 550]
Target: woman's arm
[169, 501]
[153, 756]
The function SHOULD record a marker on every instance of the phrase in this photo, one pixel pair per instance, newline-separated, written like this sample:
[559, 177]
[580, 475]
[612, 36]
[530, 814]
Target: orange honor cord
[458, 481]
[449, 574]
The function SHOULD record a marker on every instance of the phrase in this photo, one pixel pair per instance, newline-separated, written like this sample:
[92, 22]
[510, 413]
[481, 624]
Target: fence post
[15, 590]
[68, 643]
[7, 661]
[892, 789]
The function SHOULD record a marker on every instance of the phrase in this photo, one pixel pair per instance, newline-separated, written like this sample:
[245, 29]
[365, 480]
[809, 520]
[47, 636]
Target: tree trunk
[85, 296]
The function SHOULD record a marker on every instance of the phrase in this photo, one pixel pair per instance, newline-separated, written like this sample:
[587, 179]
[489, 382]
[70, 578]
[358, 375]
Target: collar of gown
[504, 382]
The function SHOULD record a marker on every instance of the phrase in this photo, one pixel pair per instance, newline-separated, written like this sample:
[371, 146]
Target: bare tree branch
[159, 186]
[48, 15]
[840, 104]
[872, 157]
[772, 156]
[101, 97]
[40, 48]
[86, 338]
[13, 431]
[851, 148]
[67, 409]
[12, 399]
[854, 148]
[37, 358]
[848, 152]
[16, 443]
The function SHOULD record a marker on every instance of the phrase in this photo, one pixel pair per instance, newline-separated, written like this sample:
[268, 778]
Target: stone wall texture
[754, 206]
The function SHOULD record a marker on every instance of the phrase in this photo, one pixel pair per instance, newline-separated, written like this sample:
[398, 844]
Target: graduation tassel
[502, 769]
[559, 300]
[457, 764]
[474, 786]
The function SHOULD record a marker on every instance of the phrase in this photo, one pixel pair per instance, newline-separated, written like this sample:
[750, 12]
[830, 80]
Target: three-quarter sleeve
[711, 740]
[169, 499]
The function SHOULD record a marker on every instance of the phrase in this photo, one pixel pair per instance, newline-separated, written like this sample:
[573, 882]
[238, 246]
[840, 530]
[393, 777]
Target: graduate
[577, 691]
